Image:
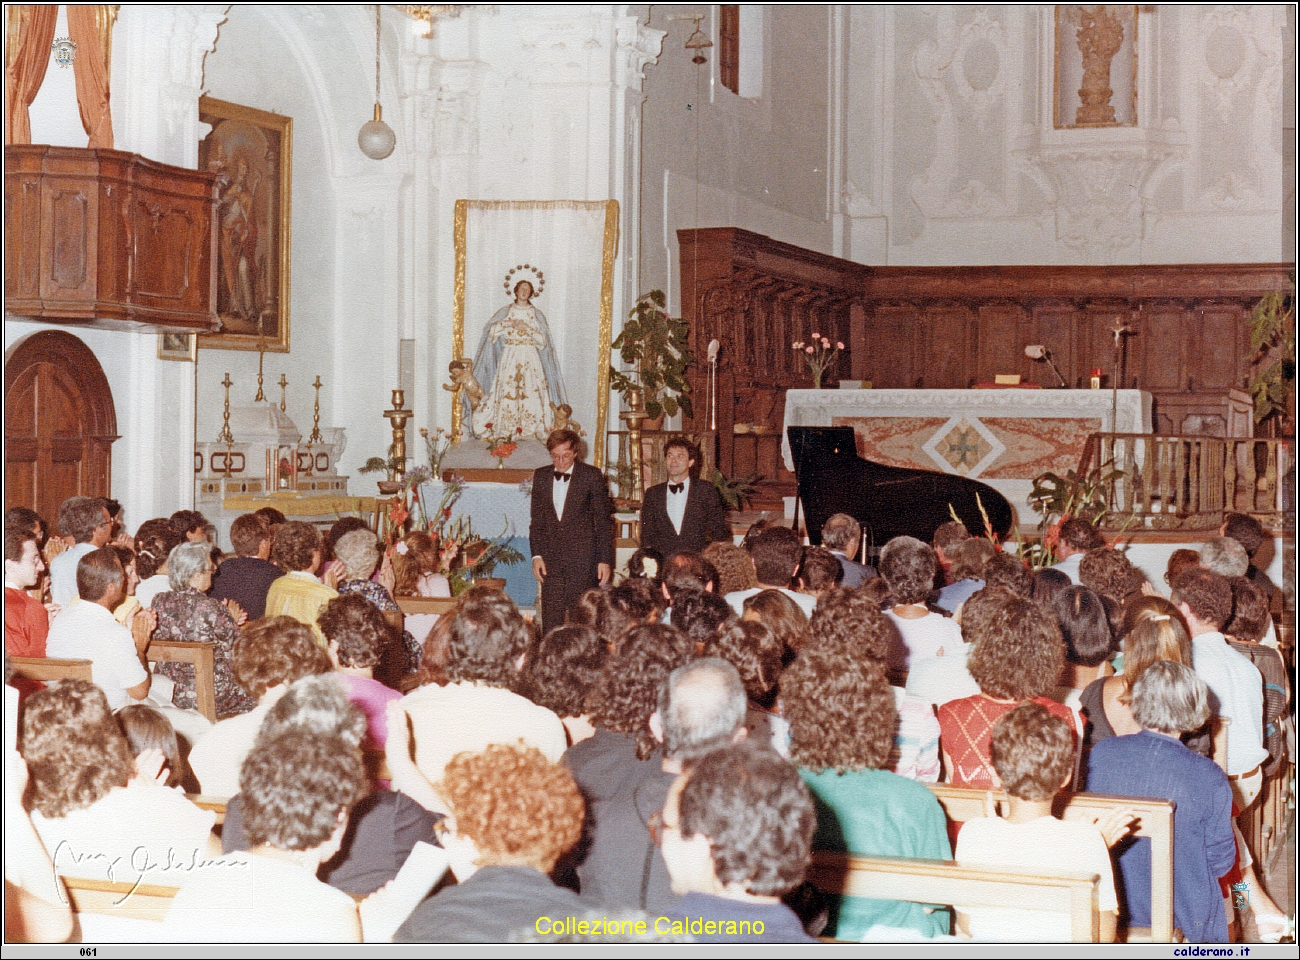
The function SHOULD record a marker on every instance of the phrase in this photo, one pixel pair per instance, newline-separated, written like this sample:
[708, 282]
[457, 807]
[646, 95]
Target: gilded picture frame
[524, 239]
[178, 346]
[251, 151]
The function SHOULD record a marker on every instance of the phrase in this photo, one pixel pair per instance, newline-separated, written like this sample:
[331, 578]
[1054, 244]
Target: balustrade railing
[1190, 482]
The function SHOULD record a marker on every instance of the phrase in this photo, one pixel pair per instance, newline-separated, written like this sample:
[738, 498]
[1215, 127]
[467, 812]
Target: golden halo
[510, 281]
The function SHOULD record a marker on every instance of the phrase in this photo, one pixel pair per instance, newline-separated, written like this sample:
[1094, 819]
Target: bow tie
[676, 487]
[561, 476]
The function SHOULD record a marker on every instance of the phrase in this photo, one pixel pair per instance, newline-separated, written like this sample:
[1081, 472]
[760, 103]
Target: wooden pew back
[946, 882]
[1155, 822]
[49, 669]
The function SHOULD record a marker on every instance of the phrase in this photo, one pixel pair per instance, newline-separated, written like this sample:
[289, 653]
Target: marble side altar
[1001, 437]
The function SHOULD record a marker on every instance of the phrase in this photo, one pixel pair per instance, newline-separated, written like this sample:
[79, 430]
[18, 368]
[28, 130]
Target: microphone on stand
[1036, 351]
[714, 346]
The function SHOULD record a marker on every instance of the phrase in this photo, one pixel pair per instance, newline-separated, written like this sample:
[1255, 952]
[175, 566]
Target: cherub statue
[462, 380]
[564, 420]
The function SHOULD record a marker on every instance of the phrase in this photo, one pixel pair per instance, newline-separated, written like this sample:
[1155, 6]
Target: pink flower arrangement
[819, 354]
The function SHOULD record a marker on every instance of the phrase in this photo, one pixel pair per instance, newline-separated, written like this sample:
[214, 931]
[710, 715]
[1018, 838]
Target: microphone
[713, 351]
[1040, 353]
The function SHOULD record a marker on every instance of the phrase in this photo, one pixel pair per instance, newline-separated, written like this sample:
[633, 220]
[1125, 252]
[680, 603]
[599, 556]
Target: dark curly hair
[776, 552]
[595, 609]
[908, 566]
[640, 599]
[565, 669]
[341, 528]
[969, 557]
[154, 543]
[701, 615]
[515, 805]
[247, 533]
[852, 620]
[294, 544]
[819, 569]
[294, 786]
[1079, 534]
[629, 688]
[1246, 530]
[488, 635]
[1017, 652]
[1005, 571]
[687, 571]
[734, 565]
[757, 814]
[840, 707]
[782, 615]
[1207, 595]
[754, 650]
[80, 517]
[1250, 616]
[74, 749]
[276, 650]
[1032, 751]
[1107, 572]
[358, 627]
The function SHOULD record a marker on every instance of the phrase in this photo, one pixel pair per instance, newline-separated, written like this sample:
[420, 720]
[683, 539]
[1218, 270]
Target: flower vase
[501, 463]
[817, 379]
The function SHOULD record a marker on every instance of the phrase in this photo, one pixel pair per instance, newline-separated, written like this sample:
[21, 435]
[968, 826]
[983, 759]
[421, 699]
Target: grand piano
[887, 501]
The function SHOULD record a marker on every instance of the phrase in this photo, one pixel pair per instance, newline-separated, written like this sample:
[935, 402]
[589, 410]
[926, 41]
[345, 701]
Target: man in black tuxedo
[571, 534]
[684, 514]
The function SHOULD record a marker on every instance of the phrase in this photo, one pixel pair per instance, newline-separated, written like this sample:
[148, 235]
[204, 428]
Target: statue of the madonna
[516, 364]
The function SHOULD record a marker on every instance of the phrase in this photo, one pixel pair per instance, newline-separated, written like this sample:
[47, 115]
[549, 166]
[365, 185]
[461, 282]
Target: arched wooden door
[59, 424]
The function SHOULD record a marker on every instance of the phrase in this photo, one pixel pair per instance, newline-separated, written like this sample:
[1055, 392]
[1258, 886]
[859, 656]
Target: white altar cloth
[1001, 437]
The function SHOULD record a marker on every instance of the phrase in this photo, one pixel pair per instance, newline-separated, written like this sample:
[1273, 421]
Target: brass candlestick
[633, 417]
[315, 420]
[261, 353]
[225, 435]
[284, 382]
[398, 417]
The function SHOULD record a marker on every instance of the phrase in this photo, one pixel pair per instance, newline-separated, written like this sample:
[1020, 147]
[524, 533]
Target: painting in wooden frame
[565, 252]
[178, 346]
[251, 151]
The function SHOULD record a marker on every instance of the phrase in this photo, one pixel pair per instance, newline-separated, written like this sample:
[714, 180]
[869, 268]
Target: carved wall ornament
[1239, 52]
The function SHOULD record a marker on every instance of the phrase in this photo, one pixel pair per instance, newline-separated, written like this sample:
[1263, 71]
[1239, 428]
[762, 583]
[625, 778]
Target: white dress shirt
[560, 490]
[675, 503]
[1237, 685]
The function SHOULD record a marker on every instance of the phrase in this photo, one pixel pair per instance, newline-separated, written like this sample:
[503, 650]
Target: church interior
[935, 187]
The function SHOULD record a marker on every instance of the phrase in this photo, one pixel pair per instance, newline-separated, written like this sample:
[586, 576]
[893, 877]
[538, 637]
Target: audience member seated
[965, 573]
[1248, 532]
[819, 571]
[736, 832]
[943, 542]
[271, 654]
[356, 632]
[146, 729]
[842, 536]
[1205, 601]
[776, 553]
[87, 631]
[1108, 573]
[246, 577]
[298, 791]
[756, 653]
[297, 549]
[187, 613]
[1007, 572]
[842, 717]
[909, 567]
[383, 828]
[563, 675]
[190, 525]
[700, 615]
[358, 553]
[1016, 655]
[1075, 538]
[1224, 556]
[701, 706]
[488, 650]
[685, 572]
[28, 519]
[1033, 754]
[1085, 628]
[643, 600]
[1169, 699]
[734, 565]
[1249, 624]
[154, 543]
[516, 813]
[1180, 560]
[26, 619]
[782, 616]
[645, 563]
[99, 812]
[129, 603]
[415, 567]
[84, 525]
[1049, 583]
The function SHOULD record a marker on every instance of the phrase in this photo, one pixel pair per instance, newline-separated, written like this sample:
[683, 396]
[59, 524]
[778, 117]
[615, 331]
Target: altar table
[1003, 438]
[494, 508]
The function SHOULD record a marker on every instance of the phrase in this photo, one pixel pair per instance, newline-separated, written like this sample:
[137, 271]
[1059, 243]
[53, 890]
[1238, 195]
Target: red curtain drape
[27, 54]
[88, 29]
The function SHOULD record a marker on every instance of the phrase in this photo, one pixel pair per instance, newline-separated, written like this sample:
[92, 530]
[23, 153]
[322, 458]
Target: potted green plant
[656, 348]
[1272, 337]
[390, 467]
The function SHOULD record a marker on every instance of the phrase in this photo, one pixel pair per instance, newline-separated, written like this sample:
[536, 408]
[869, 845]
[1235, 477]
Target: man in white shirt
[84, 524]
[87, 631]
[776, 552]
[1076, 538]
[685, 514]
[1205, 600]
